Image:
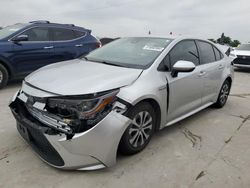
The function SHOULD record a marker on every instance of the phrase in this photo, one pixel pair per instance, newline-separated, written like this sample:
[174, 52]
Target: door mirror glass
[182, 66]
[21, 38]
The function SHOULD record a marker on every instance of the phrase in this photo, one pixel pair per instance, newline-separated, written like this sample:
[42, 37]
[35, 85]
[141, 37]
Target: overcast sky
[112, 18]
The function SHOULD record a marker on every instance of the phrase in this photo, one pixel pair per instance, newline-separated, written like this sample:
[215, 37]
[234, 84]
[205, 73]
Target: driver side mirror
[182, 66]
[21, 38]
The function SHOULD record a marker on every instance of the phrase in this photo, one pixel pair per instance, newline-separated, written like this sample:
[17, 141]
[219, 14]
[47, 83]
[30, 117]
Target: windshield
[136, 52]
[7, 31]
[243, 47]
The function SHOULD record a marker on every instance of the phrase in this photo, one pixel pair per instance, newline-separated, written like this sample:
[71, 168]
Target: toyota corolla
[78, 114]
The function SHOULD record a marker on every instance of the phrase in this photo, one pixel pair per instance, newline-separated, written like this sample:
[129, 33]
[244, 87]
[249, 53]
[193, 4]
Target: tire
[4, 76]
[139, 132]
[224, 92]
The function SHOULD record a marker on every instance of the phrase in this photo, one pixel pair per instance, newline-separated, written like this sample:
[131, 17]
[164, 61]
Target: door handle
[48, 47]
[78, 45]
[202, 73]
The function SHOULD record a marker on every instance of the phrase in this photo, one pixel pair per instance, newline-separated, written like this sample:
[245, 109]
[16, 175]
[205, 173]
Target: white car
[241, 56]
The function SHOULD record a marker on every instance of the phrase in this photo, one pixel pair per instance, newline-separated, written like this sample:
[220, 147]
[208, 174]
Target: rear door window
[218, 54]
[206, 52]
[60, 34]
[184, 50]
[37, 34]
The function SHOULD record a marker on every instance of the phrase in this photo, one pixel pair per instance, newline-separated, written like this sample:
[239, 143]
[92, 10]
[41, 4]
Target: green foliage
[226, 40]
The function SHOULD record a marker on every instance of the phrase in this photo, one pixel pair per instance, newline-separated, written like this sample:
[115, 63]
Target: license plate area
[23, 131]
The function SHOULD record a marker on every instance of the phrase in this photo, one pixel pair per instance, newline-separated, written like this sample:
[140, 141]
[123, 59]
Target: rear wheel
[138, 134]
[4, 76]
[224, 92]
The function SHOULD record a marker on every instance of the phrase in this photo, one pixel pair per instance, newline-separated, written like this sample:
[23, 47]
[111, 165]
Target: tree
[235, 43]
[228, 41]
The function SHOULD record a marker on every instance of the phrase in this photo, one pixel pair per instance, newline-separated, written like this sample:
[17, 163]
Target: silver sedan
[78, 114]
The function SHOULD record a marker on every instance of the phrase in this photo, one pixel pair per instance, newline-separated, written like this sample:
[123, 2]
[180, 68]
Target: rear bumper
[92, 149]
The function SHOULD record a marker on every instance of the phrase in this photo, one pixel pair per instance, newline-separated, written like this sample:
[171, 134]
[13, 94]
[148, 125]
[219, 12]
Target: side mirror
[182, 66]
[21, 38]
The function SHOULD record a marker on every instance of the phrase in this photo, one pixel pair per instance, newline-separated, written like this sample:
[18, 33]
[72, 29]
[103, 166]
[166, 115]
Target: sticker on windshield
[13, 29]
[153, 48]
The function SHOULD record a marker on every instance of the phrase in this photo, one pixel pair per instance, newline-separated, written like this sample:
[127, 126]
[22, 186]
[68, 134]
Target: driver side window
[184, 50]
[37, 34]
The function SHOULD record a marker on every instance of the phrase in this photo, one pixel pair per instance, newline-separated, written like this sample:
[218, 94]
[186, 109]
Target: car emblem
[244, 57]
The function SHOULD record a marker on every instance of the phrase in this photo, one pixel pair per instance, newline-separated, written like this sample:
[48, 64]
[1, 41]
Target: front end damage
[71, 132]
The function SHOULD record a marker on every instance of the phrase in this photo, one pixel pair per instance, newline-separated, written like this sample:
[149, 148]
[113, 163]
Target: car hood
[242, 52]
[77, 77]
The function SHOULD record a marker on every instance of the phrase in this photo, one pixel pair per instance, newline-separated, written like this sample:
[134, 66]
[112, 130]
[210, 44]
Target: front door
[34, 53]
[185, 90]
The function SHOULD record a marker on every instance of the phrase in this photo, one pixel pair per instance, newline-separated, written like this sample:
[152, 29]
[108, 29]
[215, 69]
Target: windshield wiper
[105, 62]
[108, 63]
[84, 57]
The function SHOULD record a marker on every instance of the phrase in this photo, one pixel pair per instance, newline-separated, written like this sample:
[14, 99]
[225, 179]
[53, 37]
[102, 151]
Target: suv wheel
[224, 92]
[4, 76]
[138, 134]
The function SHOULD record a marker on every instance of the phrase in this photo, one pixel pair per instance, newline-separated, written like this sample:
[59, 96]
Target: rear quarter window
[79, 34]
[61, 34]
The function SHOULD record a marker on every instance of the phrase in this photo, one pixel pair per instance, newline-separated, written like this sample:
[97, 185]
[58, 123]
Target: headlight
[83, 107]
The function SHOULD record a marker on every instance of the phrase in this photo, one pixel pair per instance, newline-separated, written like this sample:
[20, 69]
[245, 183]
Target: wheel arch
[230, 80]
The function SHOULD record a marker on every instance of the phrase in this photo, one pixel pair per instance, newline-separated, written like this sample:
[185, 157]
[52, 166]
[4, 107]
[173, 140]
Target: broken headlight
[82, 112]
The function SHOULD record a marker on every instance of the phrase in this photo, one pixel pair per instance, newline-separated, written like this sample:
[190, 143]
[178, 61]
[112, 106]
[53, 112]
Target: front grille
[36, 137]
[243, 60]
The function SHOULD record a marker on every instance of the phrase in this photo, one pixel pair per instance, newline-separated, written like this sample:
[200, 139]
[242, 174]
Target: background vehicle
[242, 56]
[130, 88]
[29, 46]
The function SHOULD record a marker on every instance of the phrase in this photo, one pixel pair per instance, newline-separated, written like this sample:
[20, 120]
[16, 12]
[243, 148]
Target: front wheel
[138, 134]
[224, 92]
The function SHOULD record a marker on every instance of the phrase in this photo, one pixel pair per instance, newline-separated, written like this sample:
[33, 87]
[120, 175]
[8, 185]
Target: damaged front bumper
[92, 149]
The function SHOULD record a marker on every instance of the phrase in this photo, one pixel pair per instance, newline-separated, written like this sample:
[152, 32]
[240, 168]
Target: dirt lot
[209, 149]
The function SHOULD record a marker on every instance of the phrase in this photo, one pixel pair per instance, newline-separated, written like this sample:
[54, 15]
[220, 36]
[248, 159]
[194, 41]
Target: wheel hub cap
[224, 93]
[140, 129]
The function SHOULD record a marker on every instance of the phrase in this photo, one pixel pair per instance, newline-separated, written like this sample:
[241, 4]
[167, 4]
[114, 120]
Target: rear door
[212, 66]
[34, 53]
[66, 45]
[185, 90]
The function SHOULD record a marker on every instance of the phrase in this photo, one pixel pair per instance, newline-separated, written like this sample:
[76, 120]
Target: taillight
[98, 45]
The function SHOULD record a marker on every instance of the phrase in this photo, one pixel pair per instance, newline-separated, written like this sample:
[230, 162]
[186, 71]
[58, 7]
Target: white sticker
[13, 29]
[153, 48]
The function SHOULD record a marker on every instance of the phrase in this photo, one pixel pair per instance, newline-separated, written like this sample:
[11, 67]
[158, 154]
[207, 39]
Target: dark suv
[25, 47]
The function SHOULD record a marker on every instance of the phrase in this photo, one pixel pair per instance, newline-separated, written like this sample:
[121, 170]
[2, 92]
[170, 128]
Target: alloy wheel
[224, 93]
[141, 129]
